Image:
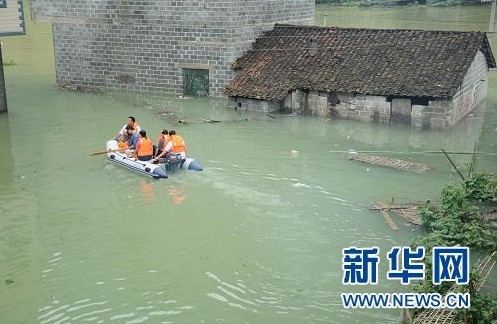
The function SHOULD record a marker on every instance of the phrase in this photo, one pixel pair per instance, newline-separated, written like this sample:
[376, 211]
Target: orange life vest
[178, 144]
[145, 147]
[122, 145]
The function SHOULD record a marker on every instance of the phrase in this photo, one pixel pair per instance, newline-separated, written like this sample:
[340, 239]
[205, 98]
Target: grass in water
[9, 63]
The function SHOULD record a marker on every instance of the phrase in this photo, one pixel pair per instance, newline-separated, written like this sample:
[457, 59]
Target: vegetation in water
[459, 219]
[9, 62]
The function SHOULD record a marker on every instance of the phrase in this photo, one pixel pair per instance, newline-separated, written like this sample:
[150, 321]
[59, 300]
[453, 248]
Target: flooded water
[254, 238]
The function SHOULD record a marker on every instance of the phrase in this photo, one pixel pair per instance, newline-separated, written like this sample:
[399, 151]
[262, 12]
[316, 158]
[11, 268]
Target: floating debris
[76, 88]
[208, 120]
[410, 211]
[407, 211]
[389, 162]
[387, 218]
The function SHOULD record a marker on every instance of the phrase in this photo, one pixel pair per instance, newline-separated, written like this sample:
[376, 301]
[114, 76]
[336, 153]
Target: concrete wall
[144, 45]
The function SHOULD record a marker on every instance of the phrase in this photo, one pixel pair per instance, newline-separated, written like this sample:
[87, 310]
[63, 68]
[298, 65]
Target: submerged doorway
[401, 111]
[195, 82]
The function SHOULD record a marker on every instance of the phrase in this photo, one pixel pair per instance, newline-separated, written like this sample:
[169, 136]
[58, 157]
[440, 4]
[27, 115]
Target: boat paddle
[109, 151]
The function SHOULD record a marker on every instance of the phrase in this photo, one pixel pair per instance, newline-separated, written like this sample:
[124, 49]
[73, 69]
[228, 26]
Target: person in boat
[122, 135]
[132, 138]
[161, 142]
[175, 147]
[144, 149]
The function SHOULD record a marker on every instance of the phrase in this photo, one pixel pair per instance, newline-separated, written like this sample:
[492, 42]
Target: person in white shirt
[122, 135]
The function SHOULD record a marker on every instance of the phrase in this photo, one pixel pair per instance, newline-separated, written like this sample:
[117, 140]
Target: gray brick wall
[362, 107]
[144, 45]
[473, 89]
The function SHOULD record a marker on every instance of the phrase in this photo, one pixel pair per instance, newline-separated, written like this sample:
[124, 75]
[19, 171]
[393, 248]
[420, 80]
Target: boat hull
[143, 167]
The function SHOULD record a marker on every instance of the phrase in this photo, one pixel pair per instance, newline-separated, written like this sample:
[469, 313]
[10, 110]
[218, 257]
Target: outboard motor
[173, 162]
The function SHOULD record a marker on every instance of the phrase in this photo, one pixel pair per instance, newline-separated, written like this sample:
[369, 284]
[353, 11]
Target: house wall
[437, 114]
[145, 44]
[473, 90]
[362, 107]
[442, 114]
[244, 104]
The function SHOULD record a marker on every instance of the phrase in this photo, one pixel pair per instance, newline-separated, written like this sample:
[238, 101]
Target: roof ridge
[376, 29]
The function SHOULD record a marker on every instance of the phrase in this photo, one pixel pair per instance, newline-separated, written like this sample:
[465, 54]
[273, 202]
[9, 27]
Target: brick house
[429, 79]
[169, 46]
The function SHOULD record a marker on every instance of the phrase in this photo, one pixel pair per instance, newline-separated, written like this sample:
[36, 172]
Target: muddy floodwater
[256, 237]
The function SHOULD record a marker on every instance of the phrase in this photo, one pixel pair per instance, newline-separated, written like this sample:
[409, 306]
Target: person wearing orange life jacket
[176, 146]
[144, 149]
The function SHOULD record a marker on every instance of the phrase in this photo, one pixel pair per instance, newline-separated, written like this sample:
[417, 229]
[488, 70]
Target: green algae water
[254, 238]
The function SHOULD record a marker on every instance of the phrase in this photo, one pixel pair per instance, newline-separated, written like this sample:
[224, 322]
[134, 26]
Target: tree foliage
[458, 220]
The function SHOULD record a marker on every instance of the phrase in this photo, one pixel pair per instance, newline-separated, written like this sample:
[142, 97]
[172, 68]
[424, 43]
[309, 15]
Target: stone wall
[362, 107]
[244, 104]
[144, 45]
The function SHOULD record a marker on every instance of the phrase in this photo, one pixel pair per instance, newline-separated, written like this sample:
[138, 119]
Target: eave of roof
[365, 61]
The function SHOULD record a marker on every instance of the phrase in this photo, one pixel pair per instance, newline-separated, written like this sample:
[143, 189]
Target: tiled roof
[365, 61]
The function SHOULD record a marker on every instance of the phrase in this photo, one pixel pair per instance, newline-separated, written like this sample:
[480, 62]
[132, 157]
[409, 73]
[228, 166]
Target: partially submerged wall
[146, 45]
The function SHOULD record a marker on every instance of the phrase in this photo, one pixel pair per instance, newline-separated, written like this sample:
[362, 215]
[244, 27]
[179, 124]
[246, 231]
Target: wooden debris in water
[76, 88]
[210, 121]
[389, 162]
[407, 211]
[410, 212]
[387, 218]
[173, 117]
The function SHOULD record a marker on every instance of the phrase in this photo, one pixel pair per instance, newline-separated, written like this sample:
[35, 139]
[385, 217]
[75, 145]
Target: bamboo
[415, 153]
[387, 218]
[389, 162]
[453, 165]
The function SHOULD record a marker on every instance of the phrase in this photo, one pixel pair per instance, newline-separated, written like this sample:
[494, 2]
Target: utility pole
[324, 19]
[492, 18]
[3, 93]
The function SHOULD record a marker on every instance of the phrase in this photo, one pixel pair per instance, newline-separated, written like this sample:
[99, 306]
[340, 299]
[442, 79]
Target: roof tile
[366, 61]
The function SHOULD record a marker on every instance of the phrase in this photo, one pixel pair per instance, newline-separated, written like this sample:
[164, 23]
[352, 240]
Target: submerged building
[179, 47]
[429, 79]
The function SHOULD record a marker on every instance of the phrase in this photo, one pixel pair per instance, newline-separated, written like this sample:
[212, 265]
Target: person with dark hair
[122, 134]
[144, 149]
[133, 136]
[161, 142]
[176, 146]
